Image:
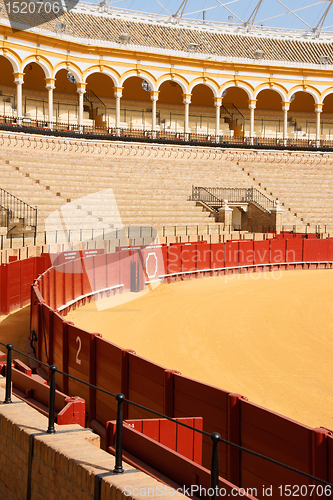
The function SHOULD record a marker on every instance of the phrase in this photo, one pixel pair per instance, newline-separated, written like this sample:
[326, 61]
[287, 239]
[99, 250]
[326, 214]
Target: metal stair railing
[215, 197]
[17, 209]
[94, 102]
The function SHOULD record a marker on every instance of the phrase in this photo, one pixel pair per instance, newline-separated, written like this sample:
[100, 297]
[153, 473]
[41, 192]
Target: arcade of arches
[169, 106]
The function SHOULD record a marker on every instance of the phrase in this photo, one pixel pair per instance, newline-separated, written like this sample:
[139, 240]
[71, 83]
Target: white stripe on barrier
[61, 308]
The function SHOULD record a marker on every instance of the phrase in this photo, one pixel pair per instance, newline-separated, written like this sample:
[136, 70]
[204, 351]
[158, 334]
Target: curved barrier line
[71, 302]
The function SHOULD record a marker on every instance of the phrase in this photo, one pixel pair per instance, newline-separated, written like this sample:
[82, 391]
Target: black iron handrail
[18, 209]
[216, 197]
[120, 398]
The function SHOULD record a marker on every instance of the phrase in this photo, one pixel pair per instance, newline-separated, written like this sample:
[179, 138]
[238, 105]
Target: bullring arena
[166, 233]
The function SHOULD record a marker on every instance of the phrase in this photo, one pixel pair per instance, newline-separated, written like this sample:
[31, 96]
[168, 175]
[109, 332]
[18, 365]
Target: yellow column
[285, 108]
[217, 104]
[18, 79]
[154, 98]
[252, 106]
[187, 102]
[50, 85]
[318, 110]
[118, 92]
[81, 90]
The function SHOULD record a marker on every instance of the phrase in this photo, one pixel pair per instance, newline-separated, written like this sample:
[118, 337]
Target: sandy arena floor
[267, 336]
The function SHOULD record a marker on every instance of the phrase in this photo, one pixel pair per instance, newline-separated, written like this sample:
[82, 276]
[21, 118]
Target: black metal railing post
[118, 469]
[8, 398]
[214, 471]
[51, 428]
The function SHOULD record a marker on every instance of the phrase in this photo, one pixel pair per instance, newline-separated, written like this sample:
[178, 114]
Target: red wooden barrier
[278, 250]
[294, 250]
[315, 250]
[231, 254]
[261, 252]
[204, 254]
[217, 255]
[245, 253]
[188, 257]
[174, 259]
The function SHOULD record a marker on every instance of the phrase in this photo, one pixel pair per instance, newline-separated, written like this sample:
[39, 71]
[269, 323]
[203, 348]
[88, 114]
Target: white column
[50, 85]
[81, 90]
[285, 108]
[217, 104]
[187, 102]
[252, 107]
[118, 92]
[18, 79]
[154, 99]
[318, 109]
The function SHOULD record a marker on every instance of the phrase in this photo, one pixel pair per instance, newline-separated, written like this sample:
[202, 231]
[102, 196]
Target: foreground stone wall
[66, 465]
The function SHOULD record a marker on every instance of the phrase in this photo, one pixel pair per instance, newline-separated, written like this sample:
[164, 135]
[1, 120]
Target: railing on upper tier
[216, 197]
[128, 134]
[12, 207]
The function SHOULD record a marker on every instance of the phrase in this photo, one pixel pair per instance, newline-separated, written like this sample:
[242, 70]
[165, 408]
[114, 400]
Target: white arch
[308, 91]
[282, 94]
[180, 82]
[41, 63]
[70, 70]
[208, 84]
[238, 86]
[13, 61]
[105, 71]
[142, 75]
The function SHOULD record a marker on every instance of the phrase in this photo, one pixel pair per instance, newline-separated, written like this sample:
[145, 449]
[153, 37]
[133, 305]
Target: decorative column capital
[118, 91]
[154, 94]
[218, 101]
[318, 108]
[50, 83]
[81, 87]
[252, 103]
[18, 77]
[187, 98]
[285, 105]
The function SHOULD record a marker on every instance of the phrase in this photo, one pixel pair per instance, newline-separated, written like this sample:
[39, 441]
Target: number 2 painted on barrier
[78, 341]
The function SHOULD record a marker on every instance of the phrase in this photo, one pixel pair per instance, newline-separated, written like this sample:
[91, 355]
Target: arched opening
[7, 89]
[35, 97]
[202, 110]
[235, 111]
[65, 99]
[136, 107]
[99, 100]
[327, 118]
[170, 107]
[268, 121]
[302, 115]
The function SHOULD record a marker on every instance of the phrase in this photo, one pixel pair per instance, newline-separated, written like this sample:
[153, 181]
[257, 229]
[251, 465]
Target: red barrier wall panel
[100, 272]
[59, 287]
[204, 254]
[192, 398]
[261, 252]
[145, 386]
[88, 275]
[217, 255]
[28, 274]
[188, 258]
[77, 278]
[68, 281]
[278, 250]
[231, 254]
[56, 349]
[330, 249]
[45, 313]
[276, 437]
[108, 377]
[294, 250]
[153, 258]
[79, 350]
[174, 259]
[125, 259]
[315, 250]
[113, 276]
[14, 285]
[245, 253]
